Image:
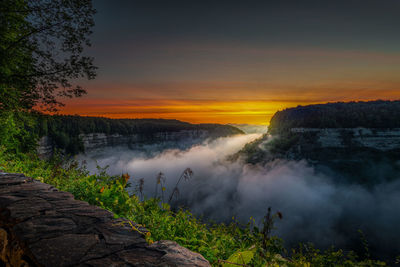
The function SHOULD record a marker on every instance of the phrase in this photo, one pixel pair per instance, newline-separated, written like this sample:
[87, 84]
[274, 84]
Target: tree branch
[30, 33]
[38, 74]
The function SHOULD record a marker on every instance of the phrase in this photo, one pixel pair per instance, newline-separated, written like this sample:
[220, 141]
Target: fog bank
[314, 207]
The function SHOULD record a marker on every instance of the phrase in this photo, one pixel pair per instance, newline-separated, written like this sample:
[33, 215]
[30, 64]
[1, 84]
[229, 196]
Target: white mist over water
[314, 207]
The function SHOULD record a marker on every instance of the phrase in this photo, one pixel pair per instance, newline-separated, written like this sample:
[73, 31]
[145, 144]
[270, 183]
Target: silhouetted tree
[41, 51]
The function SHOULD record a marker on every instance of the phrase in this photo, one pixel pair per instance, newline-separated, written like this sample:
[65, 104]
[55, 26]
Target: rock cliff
[317, 144]
[41, 226]
[101, 140]
[373, 138]
[356, 141]
[94, 141]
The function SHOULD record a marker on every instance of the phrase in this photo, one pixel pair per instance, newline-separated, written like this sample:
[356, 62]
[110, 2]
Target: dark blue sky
[183, 54]
[355, 24]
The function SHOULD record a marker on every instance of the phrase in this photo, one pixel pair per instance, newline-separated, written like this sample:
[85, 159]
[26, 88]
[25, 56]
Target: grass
[225, 245]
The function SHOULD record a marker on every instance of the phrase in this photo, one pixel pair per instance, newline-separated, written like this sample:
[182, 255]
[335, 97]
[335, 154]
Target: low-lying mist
[314, 207]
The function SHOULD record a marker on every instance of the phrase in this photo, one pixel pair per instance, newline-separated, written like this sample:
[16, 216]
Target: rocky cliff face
[101, 140]
[95, 141]
[341, 138]
[335, 130]
[364, 155]
[45, 146]
[322, 145]
[41, 226]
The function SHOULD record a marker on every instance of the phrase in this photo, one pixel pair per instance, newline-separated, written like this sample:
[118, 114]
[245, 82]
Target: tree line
[368, 114]
[64, 130]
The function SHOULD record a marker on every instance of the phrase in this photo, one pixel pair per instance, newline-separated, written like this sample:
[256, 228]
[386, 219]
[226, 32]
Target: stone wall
[41, 226]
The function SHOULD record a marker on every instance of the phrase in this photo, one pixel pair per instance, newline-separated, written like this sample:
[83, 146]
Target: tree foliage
[64, 130]
[371, 114]
[17, 131]
[41, 51]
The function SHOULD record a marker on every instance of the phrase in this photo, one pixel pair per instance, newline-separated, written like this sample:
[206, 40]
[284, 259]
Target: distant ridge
[68, 131]
[368, 114]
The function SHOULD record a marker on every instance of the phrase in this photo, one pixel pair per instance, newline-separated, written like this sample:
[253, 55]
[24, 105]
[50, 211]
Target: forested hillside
[64, 130]
[330, 141]
[371, 114]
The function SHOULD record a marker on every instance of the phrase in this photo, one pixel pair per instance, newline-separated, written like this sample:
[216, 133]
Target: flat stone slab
[41, 226]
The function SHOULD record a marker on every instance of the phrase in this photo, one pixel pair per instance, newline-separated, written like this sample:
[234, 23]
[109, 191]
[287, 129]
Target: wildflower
[126, 177]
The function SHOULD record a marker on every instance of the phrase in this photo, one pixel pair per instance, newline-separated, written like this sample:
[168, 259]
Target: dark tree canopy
[64, 130]
[371, 114]
[41, 51]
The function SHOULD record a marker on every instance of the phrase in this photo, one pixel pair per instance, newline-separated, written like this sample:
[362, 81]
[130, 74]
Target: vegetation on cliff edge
[64, 130]
[370, 114]
[248, 245]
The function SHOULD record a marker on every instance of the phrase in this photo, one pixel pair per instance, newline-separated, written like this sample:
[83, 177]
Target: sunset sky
[238, 61]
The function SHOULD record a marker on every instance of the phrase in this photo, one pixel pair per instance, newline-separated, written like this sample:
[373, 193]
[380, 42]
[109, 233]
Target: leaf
[240, 257]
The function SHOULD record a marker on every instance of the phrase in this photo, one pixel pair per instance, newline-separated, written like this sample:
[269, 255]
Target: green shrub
[221, 244]
[16, 131]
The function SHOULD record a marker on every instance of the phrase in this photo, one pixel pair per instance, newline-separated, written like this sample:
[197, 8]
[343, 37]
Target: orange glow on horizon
[193, 111]
[218, 102]
[251, 112]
